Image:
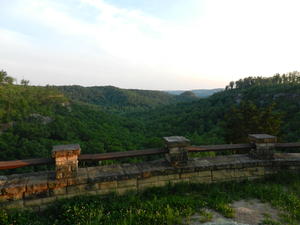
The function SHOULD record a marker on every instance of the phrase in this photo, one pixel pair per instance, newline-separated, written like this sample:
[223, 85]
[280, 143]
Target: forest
[107, 119]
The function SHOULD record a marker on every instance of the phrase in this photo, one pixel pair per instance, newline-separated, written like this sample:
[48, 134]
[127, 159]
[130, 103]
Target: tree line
[289, 78]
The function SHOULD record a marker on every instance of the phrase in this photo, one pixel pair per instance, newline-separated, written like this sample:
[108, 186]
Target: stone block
[14, 189]
[108, 185]
[37, 184]
[264, 146]
[15, 186]
[92, 187]
[262, 138]
[106, 173]
[200, 179]
[124, 190]
[65, 150]
[127, 183]
[106, 191]
[76, 189]
[144, 186]
[14, 204]
[257, 171]
[81, 177]
[176, 141]
[53, 183]
[185, 180]
[152, 179]
[33, 202]
[66, 160]
[196, 174]
[3, 180]
[245, 172]
[42, 194]
[48, 200]
[177, 155]
[206, 173]
[58, 191]
[162, 183]
[3, 198]
[188, 175]
[168, 177]
[223, 174]
[271, 170]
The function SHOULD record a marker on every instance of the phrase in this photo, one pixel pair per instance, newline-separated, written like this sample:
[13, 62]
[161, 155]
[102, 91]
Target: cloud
[131, 48]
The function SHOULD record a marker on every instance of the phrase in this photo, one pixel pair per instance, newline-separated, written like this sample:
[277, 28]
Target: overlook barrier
[38, 189]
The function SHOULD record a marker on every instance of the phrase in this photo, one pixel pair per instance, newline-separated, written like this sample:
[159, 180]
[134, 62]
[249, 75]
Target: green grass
[172, 204]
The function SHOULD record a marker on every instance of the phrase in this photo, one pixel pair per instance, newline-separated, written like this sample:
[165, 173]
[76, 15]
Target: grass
[205, 216]
[172, 204]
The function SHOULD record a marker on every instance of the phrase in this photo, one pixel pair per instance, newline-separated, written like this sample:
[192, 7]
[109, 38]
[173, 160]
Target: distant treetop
[289, 78]
[5, 79]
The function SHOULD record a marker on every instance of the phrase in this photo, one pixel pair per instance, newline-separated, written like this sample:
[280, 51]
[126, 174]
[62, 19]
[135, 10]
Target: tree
[24, 82]
[5, 79]
[247, 118]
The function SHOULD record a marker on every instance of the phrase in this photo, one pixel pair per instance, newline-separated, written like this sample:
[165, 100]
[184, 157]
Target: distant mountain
[203, 93]
[117, 99]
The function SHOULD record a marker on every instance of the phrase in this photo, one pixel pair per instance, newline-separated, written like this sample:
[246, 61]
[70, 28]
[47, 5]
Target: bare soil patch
[247, 212]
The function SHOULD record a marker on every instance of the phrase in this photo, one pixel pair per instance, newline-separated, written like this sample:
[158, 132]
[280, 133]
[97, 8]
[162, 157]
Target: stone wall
[36, 190]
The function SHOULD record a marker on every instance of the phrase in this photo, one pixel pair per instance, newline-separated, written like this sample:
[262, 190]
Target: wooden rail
[288, 145]
[4, 165]
[216, 148]
[119, 155]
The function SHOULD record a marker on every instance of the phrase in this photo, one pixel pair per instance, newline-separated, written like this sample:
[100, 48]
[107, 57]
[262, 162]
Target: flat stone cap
[262, 138]
[62, 150]
[177, 141]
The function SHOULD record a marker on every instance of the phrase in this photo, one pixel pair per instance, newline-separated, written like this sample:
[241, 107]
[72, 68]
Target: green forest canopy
[33, 119]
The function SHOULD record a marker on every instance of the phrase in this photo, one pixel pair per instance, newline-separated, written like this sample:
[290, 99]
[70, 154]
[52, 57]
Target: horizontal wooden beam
[128, 154]
[119, 155]
[4, 165]
[288, 145]
[216, 148]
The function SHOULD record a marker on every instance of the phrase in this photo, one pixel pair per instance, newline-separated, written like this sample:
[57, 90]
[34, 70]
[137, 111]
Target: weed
[167, 205]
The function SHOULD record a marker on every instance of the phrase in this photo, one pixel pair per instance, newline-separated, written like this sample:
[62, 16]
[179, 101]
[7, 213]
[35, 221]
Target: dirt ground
[250, 212]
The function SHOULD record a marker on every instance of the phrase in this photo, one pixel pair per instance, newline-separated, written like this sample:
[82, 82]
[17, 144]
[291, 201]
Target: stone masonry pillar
[264, 146]
[177, 155]
[66, 160]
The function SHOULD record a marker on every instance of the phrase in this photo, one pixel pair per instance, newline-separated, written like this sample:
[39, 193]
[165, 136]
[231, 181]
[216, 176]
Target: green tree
[5, 79]
[247, 118]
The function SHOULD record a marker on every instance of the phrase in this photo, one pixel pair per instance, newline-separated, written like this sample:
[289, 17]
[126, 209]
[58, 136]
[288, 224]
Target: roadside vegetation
[173, 204]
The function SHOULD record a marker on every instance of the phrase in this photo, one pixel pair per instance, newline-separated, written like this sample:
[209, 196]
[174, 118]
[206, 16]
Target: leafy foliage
[117, 99]
[33, 119]
[171, 204]
[290, 78]
[247, 118]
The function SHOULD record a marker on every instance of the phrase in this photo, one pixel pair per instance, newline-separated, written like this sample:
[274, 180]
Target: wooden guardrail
[120, 155]
[4, 165]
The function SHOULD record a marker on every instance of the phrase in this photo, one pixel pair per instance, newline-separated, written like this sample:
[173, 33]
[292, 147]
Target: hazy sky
[148, 44]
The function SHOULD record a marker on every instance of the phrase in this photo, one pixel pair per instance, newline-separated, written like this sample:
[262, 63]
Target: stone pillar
[177, 155]
[264, 146]
[66, 160]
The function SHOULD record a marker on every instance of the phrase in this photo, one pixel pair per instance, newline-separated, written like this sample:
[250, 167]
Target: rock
[42, 119]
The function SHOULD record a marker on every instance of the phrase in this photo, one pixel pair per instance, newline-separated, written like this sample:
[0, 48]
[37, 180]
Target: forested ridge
[123, 100]
[33, 119]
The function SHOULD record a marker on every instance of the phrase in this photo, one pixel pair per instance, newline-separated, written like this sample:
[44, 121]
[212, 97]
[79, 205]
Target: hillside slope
[203, 93]
[117, 99]
[33, 119]
[210, 120]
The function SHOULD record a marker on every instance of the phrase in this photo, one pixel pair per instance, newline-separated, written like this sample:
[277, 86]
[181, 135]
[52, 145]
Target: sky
[148, 44]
